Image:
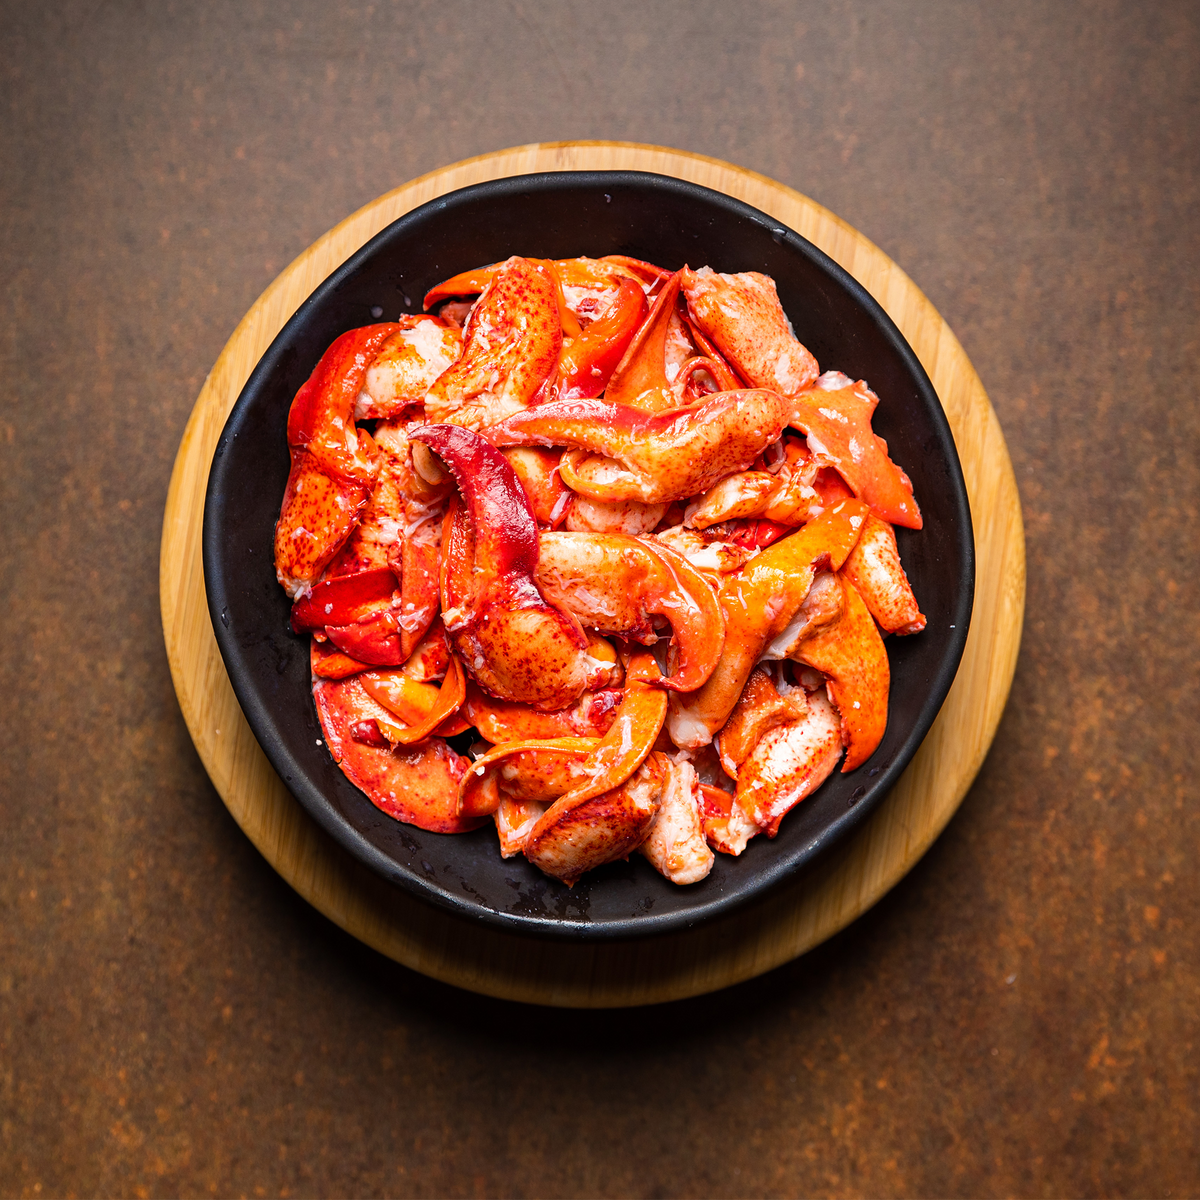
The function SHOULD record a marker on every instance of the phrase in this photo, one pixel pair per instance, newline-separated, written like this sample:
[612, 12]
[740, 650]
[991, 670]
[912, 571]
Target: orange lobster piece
[743, 316]
[512, 344]
[512, 642]
[623, 453]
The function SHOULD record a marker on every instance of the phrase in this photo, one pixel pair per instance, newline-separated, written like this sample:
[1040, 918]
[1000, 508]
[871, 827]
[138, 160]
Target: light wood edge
[823, 901]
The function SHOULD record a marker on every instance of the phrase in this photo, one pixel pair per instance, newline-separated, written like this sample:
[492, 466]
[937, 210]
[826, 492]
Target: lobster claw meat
[851, 653]
[601, 811]
[743, 316]
[836, 417]
[616, 583]
[675, 844]
[651, 457]
[759, 604]
[511, 641]
[511, 346]
[577, 834]
[333, 464]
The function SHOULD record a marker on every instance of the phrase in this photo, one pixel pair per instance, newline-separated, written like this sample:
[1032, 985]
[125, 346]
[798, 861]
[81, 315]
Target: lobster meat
[592, 551]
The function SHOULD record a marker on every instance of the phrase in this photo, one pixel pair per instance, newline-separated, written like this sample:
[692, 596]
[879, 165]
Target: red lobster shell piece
[651, 457]
[513, 339]
[511, 641]
[743, 316]
[417, 784]
[837, 421]
[333, 465]
[852, 654]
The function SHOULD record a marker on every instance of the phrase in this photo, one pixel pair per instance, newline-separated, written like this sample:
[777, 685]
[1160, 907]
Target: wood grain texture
[842, 885]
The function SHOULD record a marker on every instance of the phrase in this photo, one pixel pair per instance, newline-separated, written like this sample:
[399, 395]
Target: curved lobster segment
[333, 465]
[358, 613]
[852, 654]
[512, 642]
[500, 721]
[417, 784]
[512, 344]
[421, 706]
[759, 709]
[759, 603]
[541, 769]
[651, 457]
[743, 316]
[586, 363]
[878, 576]
[616, 583]
[407, 365]
[789, 763]
[576, 834]
[837, 422]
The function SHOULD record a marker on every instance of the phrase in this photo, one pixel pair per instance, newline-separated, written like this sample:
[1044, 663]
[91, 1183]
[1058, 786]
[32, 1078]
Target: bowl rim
[260, 716]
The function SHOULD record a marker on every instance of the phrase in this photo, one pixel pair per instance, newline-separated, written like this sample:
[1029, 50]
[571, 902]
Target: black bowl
[562, 215]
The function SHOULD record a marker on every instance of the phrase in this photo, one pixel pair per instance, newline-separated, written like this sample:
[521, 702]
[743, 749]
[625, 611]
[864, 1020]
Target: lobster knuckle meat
[578, 834]
[759, 603]
[515, 820]
[727, 828]
[675, 845]
[651, 457]
[759, 708]
[513, 643]
[789, 763]
[511, 345]
[875, 569]
[640, 379]
[407, 365]
[616, 584]
[851, 653]
[743, 316]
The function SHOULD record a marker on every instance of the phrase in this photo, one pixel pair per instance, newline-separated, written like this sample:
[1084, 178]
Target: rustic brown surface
[1017, 1017]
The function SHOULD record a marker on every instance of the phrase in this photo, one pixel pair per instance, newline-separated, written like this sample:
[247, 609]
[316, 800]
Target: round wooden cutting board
[841, 885]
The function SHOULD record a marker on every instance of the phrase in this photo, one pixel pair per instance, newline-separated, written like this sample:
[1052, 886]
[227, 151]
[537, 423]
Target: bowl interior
[562, 215]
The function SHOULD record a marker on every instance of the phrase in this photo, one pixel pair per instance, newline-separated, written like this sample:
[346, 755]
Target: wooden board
[842, 885]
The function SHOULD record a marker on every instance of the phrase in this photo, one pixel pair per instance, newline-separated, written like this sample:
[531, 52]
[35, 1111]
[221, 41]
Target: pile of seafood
[593, 551]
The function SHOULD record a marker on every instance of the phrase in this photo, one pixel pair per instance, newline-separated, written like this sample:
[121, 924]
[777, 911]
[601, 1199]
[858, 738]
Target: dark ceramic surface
[557, 216]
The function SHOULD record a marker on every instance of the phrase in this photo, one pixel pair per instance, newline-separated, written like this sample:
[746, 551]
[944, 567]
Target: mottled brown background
[1018, 1017]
